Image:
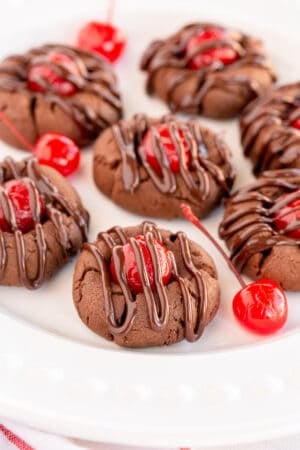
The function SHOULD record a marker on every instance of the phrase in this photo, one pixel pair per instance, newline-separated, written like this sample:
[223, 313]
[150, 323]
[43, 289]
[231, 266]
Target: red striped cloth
[11, 432]
[11, 440]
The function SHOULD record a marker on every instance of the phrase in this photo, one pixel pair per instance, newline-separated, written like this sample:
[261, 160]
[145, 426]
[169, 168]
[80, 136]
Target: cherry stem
[110, 11]
[15, 131]
[188, 214]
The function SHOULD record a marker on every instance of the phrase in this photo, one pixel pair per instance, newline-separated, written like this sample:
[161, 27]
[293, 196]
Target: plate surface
[230, 386]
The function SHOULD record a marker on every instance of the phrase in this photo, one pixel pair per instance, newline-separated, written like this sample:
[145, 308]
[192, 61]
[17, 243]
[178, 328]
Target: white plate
[228, 387]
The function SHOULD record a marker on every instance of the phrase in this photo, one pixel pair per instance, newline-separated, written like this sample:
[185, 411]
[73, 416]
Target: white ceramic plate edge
[105, 384]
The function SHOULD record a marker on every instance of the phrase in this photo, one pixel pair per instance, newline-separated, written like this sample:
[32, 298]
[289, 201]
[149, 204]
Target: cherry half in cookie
[288, 218]
[204, 58]
[16, 195]
[103, 38]
[131, 268]
[44, 76]
[296, 124]
[260, 306]
[148, 146]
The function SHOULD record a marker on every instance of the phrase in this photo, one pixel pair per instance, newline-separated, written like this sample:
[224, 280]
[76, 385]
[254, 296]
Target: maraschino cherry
[131, 269]
[18, 193]
[260, 306]
[58, 151]
[287, 217]
[148, 147]
[51, 149]
[103, 37]
[296, 124]
[198, 60]
[42, 77]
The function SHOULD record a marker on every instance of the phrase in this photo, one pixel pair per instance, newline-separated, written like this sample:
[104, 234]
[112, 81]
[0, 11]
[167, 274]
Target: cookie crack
[264, 256]
[81, 281]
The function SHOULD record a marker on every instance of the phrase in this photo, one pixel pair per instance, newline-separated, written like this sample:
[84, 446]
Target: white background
[240, 392]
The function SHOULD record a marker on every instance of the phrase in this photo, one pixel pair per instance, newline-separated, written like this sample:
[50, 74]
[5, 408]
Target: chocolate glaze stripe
[252, 229]
[115, 326]
[161, 311]
[2, 254]
[10, 217]
[151, 226]
[156, 302]
[193, 329]
[167, 182]
[212, 44]
[94, 76]
[8, 210]
[36, 183]
[265, 126]
[202, 169]
[224, 84]
[157, 305]
[53, 195]
[130, 168]
[266, 181]
[292, 174]
[171, 54]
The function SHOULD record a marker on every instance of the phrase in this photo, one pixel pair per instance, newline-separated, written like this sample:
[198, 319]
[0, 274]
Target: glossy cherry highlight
[43, 77]
[103, 38]
[260, 306]
[18, 194]
[288, 217]
[58, 151]
[204, 58]
[148, 147]
[131, 268]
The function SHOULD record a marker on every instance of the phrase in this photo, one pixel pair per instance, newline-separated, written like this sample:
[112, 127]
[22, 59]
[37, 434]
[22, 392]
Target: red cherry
[43, 75]
[226, 55]
[18, 193]
[102, 38]
[296, 124]
[58, 151]
[130, 265]
[288, 215]
[261, 306]
[206, 34]
[169, 148]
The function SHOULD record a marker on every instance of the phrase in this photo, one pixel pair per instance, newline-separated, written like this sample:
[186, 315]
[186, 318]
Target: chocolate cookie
[270, 129]
[58, 89]
[150, 166]
[207, 69]
[42, 222]
[142, 286]
[261, 227]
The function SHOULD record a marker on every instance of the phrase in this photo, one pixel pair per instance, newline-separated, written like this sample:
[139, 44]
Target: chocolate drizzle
[56, 208]
[94, 76]
[156, 302]
[171, 54]
[267, 136]
[197, 177]
[248, 226]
